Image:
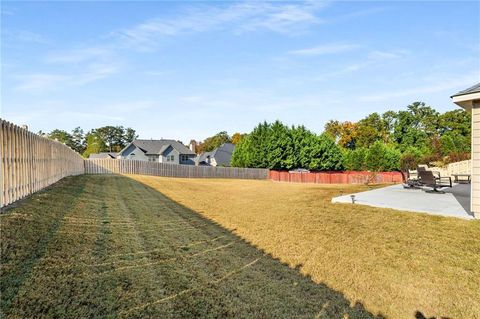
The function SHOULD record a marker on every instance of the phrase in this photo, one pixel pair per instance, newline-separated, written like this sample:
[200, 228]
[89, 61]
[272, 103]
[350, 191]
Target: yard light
[353, 198]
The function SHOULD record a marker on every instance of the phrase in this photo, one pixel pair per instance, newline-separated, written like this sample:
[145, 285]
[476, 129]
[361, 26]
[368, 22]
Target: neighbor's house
[103, 155]
[163, 151]
[221, 156]
[469, 99]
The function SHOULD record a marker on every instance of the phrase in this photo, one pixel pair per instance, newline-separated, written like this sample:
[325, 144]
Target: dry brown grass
[395, 263]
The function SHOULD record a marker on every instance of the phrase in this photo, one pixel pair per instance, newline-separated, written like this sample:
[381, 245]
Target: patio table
[462, 178]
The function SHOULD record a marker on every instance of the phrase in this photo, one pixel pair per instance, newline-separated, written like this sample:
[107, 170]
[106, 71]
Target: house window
[152, 158]
[183, 158]
[170, 158]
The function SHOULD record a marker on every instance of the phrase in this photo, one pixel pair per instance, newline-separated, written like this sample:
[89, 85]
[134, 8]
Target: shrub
[408, 162]
[381, 157]
[354, 160]
[392, 159]
[457, 157]
[322, 154]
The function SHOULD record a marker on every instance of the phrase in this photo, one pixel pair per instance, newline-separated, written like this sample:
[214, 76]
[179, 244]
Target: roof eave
[466, 100]
[128, 145]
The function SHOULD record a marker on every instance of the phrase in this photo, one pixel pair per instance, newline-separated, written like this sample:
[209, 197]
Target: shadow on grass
[234, 279]
[267, 288]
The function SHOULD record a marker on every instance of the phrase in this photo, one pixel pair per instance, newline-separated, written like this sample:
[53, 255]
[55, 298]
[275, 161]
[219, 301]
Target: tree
[381, 157]
[213, 142]
[112, 136]
[453, 143]
[277, 146]
[78, 140]
[321, 153]
[354, 160]
[95, 144]
[240, 156]
[458, 121]
[343, 133]
[373, 128]
[389, 119]
[237, 137]
[296, 157]
[129, 136]
[115, 137]
[62, 137]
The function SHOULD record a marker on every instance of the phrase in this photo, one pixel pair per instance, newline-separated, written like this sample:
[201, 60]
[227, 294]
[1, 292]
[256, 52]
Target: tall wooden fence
[121, 166]
[31, 162]
[348, 177]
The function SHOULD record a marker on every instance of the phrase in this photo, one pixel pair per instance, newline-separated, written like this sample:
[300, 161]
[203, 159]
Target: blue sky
[187, 70]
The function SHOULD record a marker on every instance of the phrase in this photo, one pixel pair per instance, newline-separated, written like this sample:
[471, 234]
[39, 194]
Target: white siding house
[163, 151]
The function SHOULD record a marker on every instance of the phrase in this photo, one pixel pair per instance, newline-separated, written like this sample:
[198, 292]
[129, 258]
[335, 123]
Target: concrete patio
[454, 203]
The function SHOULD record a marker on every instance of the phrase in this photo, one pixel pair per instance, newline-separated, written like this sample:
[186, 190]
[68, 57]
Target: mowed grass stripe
[51, 292]
[27, 232]
[171, 278]
[198, 271]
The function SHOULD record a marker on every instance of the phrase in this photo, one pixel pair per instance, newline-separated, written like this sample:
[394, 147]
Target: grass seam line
[146, 264]
[173, 296]
[160, 249]
[172, 259]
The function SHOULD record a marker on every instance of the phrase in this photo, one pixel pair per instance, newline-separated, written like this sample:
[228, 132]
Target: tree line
[115, 138]
[102, 139]
[213, 142]
[379, 142]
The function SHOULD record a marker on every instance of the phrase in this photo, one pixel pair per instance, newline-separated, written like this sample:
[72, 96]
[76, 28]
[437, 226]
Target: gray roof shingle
[472, 89]
[159, 146]
[103, 155]
[222, 155]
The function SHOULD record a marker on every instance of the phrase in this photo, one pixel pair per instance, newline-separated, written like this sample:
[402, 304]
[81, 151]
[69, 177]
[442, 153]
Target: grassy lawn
[394, 263]
[111, 246]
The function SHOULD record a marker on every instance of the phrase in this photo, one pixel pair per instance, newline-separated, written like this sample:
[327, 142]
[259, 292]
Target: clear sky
[186, 70]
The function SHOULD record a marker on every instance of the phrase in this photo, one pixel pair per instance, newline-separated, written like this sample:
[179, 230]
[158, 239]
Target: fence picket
[31, 162]
[122, 166]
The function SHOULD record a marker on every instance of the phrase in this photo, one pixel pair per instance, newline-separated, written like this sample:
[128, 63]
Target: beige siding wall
[476, 158]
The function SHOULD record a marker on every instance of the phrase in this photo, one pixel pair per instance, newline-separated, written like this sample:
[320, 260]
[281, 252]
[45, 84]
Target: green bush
[381, 157]
[322, 154]
[354, 160]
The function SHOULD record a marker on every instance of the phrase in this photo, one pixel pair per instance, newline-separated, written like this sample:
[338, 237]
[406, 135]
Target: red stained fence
[347, 177]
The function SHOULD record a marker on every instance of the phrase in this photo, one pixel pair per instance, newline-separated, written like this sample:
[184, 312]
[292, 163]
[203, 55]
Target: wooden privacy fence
[121, 166]
[31, 162]
[348, 177]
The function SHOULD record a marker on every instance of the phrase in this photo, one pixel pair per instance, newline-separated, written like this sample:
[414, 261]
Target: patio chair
[425, 168]
[429, 180]
[410, 180]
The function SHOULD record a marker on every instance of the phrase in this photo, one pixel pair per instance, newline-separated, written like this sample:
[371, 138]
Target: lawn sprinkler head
[353, 198]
